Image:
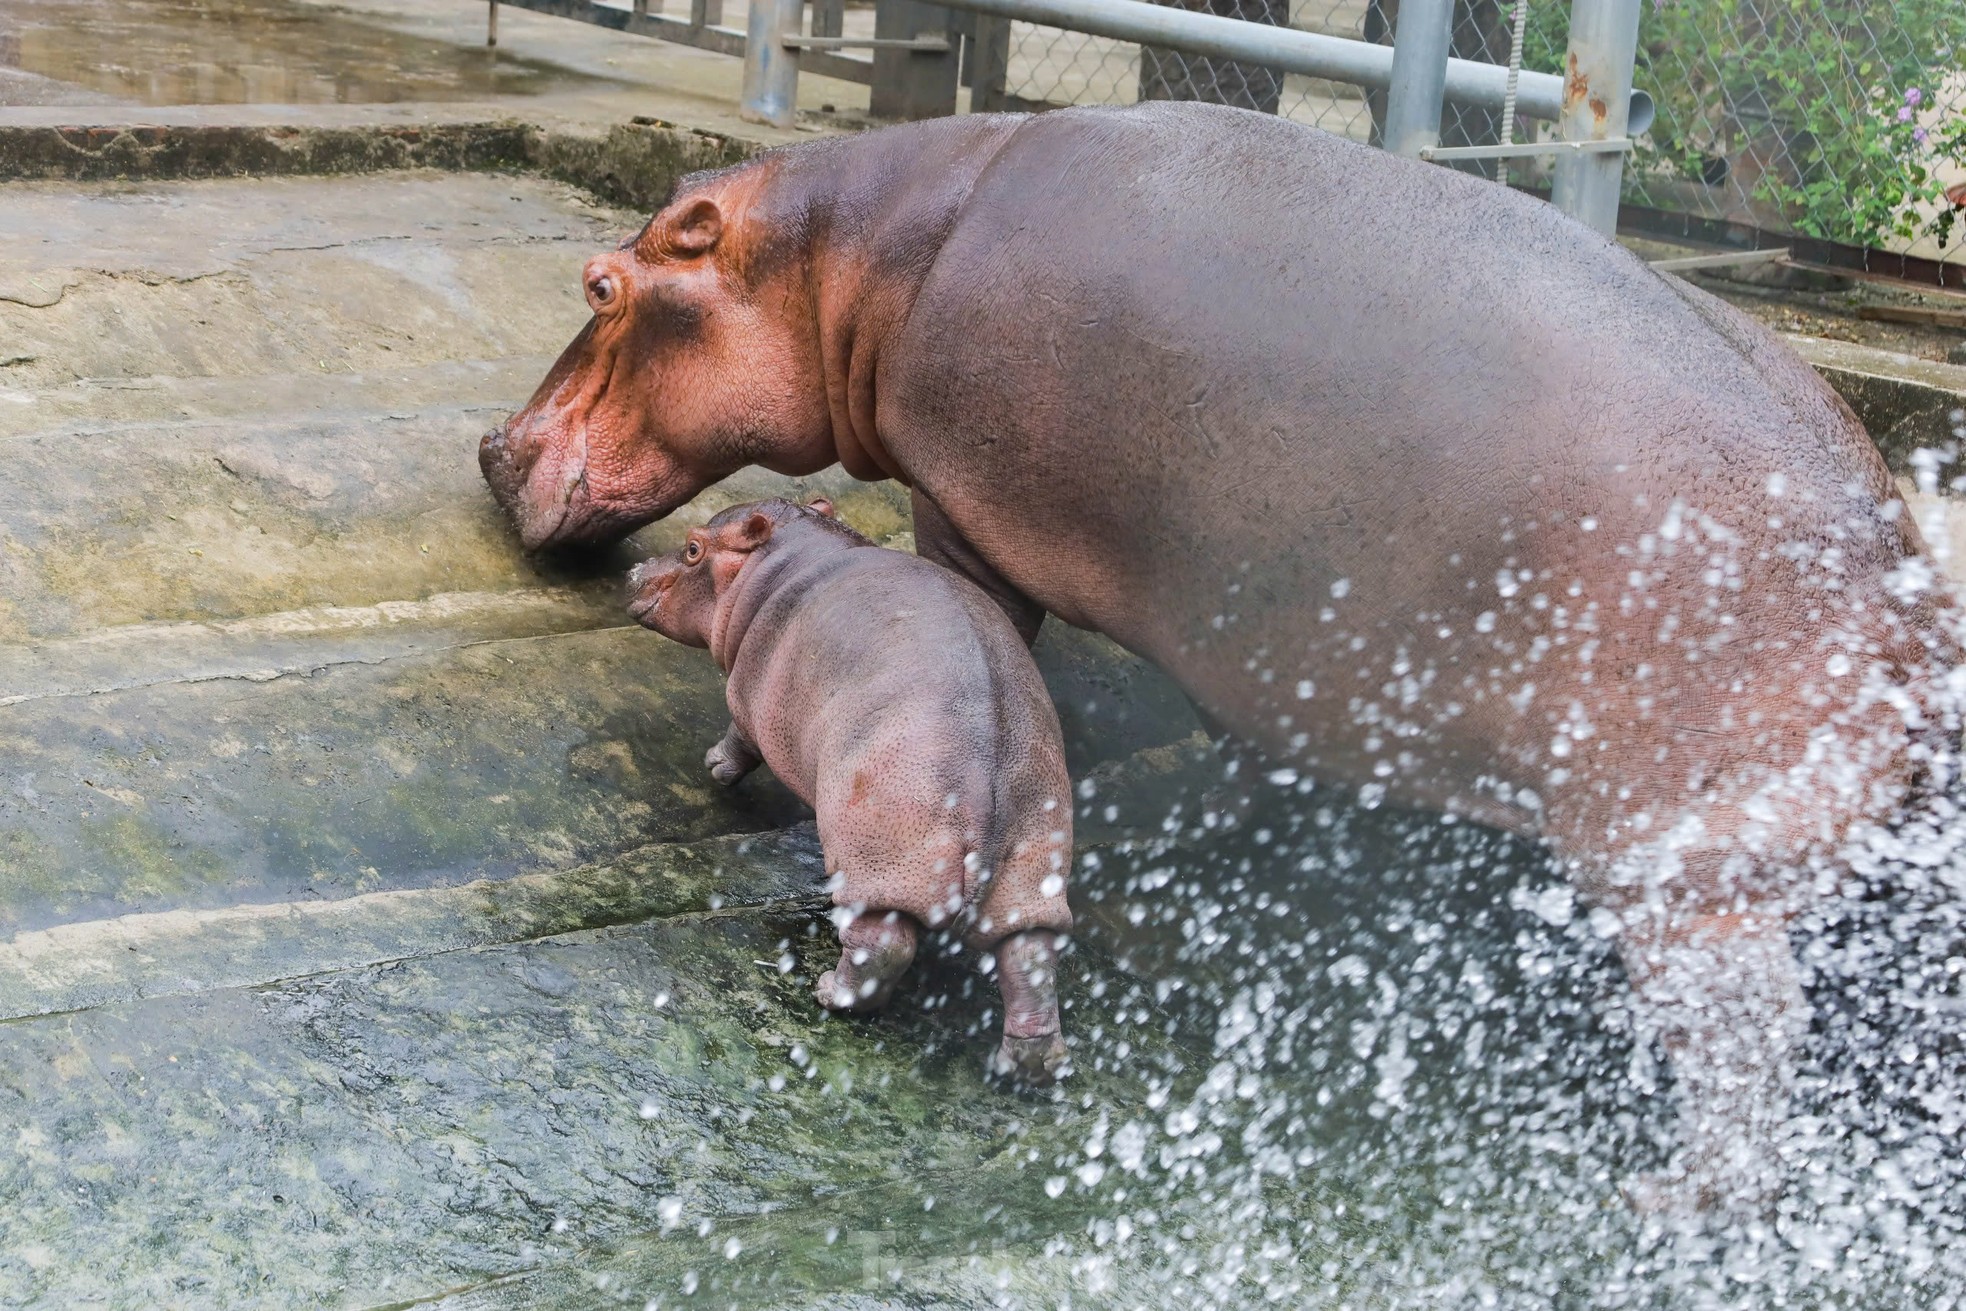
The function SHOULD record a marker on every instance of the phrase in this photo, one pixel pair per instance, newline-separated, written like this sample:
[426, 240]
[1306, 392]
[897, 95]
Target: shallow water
[214, 52]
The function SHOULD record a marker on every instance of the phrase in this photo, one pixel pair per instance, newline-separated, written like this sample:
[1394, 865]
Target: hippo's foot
[1037, 1061]
[732, 758]
[1681, 1195]
[1670, 1195]
[1033, 1051]
[1722, 994]
[876, 948]
[866, 998]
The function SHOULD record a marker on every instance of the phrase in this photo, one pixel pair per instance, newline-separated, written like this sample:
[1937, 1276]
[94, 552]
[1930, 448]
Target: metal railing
[921, 52]
[1830, 131]
[1596, 107]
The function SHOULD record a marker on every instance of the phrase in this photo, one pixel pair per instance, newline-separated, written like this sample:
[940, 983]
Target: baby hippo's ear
[823, 506]
[755, 531]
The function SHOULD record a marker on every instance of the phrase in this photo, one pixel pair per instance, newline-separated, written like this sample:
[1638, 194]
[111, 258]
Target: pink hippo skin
[896, 699]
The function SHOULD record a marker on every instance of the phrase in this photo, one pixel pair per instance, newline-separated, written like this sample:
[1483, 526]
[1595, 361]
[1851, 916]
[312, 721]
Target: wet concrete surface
[401, 61]
[196, 52]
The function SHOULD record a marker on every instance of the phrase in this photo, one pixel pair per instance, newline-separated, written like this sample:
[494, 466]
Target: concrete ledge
[634, 164]
[146, 152]
[1904, 402]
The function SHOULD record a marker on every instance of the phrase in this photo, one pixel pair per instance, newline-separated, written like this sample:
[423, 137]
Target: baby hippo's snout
[648, 583]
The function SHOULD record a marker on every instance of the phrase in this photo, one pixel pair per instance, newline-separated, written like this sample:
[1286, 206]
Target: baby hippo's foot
[732, 758]
[876, 948]
[1033, 1050]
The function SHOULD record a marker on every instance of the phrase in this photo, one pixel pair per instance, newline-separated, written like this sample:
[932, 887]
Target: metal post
[911, 84]
[491, 26]
[1419, 79]
[1596, 103]
[989, 60]
[771, 68]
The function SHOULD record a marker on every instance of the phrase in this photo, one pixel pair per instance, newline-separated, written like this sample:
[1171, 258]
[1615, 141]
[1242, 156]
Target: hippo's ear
[822, 506]
[755, 531]
[682, 231]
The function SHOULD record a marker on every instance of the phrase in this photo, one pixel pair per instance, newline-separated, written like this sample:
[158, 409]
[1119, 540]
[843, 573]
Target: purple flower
[1918, 135]
[1914, 96]
[1904, 113]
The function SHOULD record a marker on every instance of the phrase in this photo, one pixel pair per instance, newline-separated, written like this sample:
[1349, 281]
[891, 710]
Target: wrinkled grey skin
[1409, 480]
[896, 700]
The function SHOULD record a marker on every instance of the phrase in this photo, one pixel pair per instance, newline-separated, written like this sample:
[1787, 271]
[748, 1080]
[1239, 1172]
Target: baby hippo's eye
[692, 552]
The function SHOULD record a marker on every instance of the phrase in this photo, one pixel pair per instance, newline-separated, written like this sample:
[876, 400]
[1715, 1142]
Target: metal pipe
[1538, 95]
[1596, 106]
[771, 68]
[1418, 88]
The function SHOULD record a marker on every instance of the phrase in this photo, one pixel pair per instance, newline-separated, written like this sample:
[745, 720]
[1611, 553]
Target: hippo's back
[1351, 443]
[882, 662]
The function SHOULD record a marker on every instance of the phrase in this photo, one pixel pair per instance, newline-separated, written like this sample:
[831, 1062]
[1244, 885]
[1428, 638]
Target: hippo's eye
[601, 291]
[692, 552]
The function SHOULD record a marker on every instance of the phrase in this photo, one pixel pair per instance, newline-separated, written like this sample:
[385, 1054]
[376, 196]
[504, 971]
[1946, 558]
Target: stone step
[223, 519]
[471, 761]
[271, 760]
[284, 276]
[89, 406]
[78, 966]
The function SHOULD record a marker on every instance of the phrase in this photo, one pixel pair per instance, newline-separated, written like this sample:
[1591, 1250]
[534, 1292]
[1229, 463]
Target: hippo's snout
[648, 583]
[502, 473]
[509, 460]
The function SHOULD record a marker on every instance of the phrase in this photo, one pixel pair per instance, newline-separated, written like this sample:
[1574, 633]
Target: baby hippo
[896, 699]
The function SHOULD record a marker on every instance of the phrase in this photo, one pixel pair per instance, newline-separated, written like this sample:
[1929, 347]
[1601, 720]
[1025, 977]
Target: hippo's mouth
[642, 606]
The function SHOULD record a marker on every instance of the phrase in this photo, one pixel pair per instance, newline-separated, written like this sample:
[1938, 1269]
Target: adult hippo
[1409, 480]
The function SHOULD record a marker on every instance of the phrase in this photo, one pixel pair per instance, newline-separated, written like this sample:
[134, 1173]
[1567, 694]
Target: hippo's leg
[734, 756]
[1232, 797]
[876, 948]
[1033, 1049]
[1722, 993]
[936, 539]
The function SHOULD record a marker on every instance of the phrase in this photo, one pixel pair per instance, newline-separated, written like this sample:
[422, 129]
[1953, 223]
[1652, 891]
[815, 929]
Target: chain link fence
[1844, 121]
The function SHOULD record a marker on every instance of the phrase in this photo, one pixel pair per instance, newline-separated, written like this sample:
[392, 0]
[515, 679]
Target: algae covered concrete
[375, 1136]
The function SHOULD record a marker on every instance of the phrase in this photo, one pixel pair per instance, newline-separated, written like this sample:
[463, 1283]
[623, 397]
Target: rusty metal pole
[771, 68]
[1596, 105]
[1421, 41]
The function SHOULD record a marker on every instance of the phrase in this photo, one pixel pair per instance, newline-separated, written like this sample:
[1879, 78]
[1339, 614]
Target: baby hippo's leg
[733, 757]
[876, 948]
[1033, 1049]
